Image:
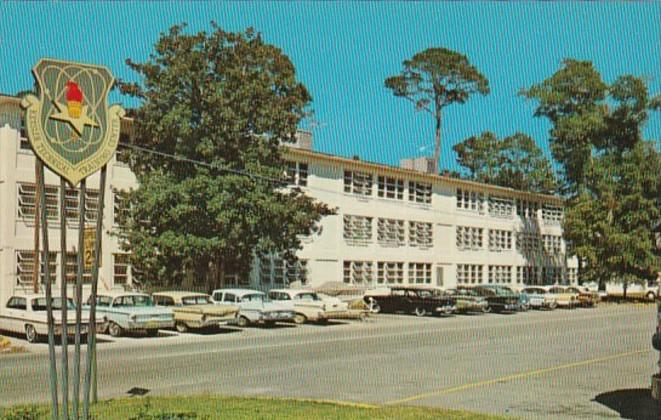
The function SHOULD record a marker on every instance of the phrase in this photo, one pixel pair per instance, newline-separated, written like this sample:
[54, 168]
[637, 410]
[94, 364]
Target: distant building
[393, 225]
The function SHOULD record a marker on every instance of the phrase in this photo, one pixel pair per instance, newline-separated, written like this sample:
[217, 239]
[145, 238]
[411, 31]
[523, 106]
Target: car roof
[34, 296]
[239, 292]
[292, 291]
[114, 294]
[178, 294]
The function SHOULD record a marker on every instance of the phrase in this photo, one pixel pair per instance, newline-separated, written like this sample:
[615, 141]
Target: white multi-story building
[393, 225]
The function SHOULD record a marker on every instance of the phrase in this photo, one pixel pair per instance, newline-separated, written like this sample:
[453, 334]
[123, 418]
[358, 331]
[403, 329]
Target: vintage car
[565, 298]
[254, 306]
[467, 300]
[419, 300]
[500, 298]
[26, 314]
[586, 297]
[131, 312]
[194, 310]
[309, 306]
[539, 298]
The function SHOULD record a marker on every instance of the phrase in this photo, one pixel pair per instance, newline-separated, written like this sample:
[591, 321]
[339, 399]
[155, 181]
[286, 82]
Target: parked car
[308, 305]
[539, 298]
[586, 297]
[131, 312]
[635, 290]
[565, 298]
[467, 300]
[194, 310]
[500, 298]
[254, 306]
[26, 314]
[419, 300]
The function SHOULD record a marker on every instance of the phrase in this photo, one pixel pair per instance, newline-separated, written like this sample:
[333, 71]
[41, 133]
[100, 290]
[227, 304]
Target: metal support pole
[91, 335]
[49, 296]
[79, 298]
[65, 300]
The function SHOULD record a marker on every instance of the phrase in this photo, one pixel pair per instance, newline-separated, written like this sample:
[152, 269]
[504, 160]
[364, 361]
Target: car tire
[374, 306]
[486, 310]
[114, 330]
[300, 319]
[31, 334]
[181, 327]
[650, 296]
[419, 311]
[242, 322]
[553, 305]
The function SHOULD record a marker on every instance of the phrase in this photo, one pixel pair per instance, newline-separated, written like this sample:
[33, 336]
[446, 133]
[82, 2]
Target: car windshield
[133, 300]
[253, 297]
[502, 291]
[39, 304]
[195, 300]
[307, 296]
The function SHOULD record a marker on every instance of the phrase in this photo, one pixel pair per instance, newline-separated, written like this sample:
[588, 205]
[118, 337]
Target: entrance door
[439, 276]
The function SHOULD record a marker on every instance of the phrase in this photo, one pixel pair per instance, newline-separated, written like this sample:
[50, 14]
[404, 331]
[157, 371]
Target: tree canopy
[514, 162]
[215, 107]
[611, 174]
[435, 78]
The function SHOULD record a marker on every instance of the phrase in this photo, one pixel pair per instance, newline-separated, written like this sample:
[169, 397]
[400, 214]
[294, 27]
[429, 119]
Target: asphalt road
[583, 363]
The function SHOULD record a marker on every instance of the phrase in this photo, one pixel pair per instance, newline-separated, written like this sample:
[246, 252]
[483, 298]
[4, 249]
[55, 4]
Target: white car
[539, 298]
[254, 306]
[308, 305]
[26, 314]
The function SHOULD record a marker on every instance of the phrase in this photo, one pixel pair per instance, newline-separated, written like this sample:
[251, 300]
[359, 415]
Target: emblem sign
[70, 126]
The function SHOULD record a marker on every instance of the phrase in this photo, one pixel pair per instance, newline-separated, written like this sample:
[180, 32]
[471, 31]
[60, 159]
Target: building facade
[393, 225]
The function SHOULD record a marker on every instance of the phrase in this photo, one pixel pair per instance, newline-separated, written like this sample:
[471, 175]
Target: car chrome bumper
[149, 325]
[446, 309]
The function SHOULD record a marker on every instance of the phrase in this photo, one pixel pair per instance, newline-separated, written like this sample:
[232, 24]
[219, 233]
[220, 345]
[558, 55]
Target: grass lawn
[212, 407]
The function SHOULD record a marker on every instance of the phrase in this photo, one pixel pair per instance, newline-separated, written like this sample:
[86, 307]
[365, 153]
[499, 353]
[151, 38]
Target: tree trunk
[220, 272]
[437, 144]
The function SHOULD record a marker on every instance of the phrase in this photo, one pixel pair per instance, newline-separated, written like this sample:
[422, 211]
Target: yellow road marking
[515, 376]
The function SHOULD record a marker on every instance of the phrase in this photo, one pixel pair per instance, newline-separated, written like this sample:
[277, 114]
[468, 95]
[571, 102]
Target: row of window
[528, 242]
[277, 271]
[361, 183]
[504, 207]
[389, 232]
[502, 274]
[27, 201]
[387, 272]
[25, 261]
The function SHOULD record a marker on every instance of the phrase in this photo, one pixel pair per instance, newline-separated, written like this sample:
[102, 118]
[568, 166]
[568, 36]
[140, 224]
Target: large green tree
[514, 161]
[435, 78]
[215, 107]
[611, 175]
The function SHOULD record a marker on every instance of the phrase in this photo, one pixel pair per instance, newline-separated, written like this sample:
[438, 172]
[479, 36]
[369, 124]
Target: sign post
[74, 132]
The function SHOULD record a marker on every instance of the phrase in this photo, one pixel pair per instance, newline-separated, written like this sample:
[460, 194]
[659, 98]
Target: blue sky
[344, 51]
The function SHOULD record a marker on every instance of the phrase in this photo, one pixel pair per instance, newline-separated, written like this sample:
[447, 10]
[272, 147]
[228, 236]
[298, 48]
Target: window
[500, 240]
[469, 274]
[27, 196]
[390, 188]
[469, 238]
[229, 297]
[528, 242]
[420, 234]
[420, 192]
[103, 301]
[527, 209]
[279, 271]
[120, 268]
[572, 275]
[419, 273]
[297, 271]
[552, 243]
[17, 303]
[25, 266]
[163, 301]
[500, 274]
[91, 205]
[23, 136]
[358, 272]
[390, 272]
[528, 275]
[500, 206]
[122, 153]
[551, 275]
[551, 214]
[297, 173]
[470, 200]
[358, 182]
[72, 269]
[390, 232]
[265, 270]
[357, 228]
[120, 207]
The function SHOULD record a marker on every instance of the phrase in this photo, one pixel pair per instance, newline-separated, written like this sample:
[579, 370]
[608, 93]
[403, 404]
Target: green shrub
[25, 413]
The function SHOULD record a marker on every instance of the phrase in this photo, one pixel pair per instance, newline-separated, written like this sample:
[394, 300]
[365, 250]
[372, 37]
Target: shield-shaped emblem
[70, 126]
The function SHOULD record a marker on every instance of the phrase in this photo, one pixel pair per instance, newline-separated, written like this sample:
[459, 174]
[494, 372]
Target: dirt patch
[6, 347]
